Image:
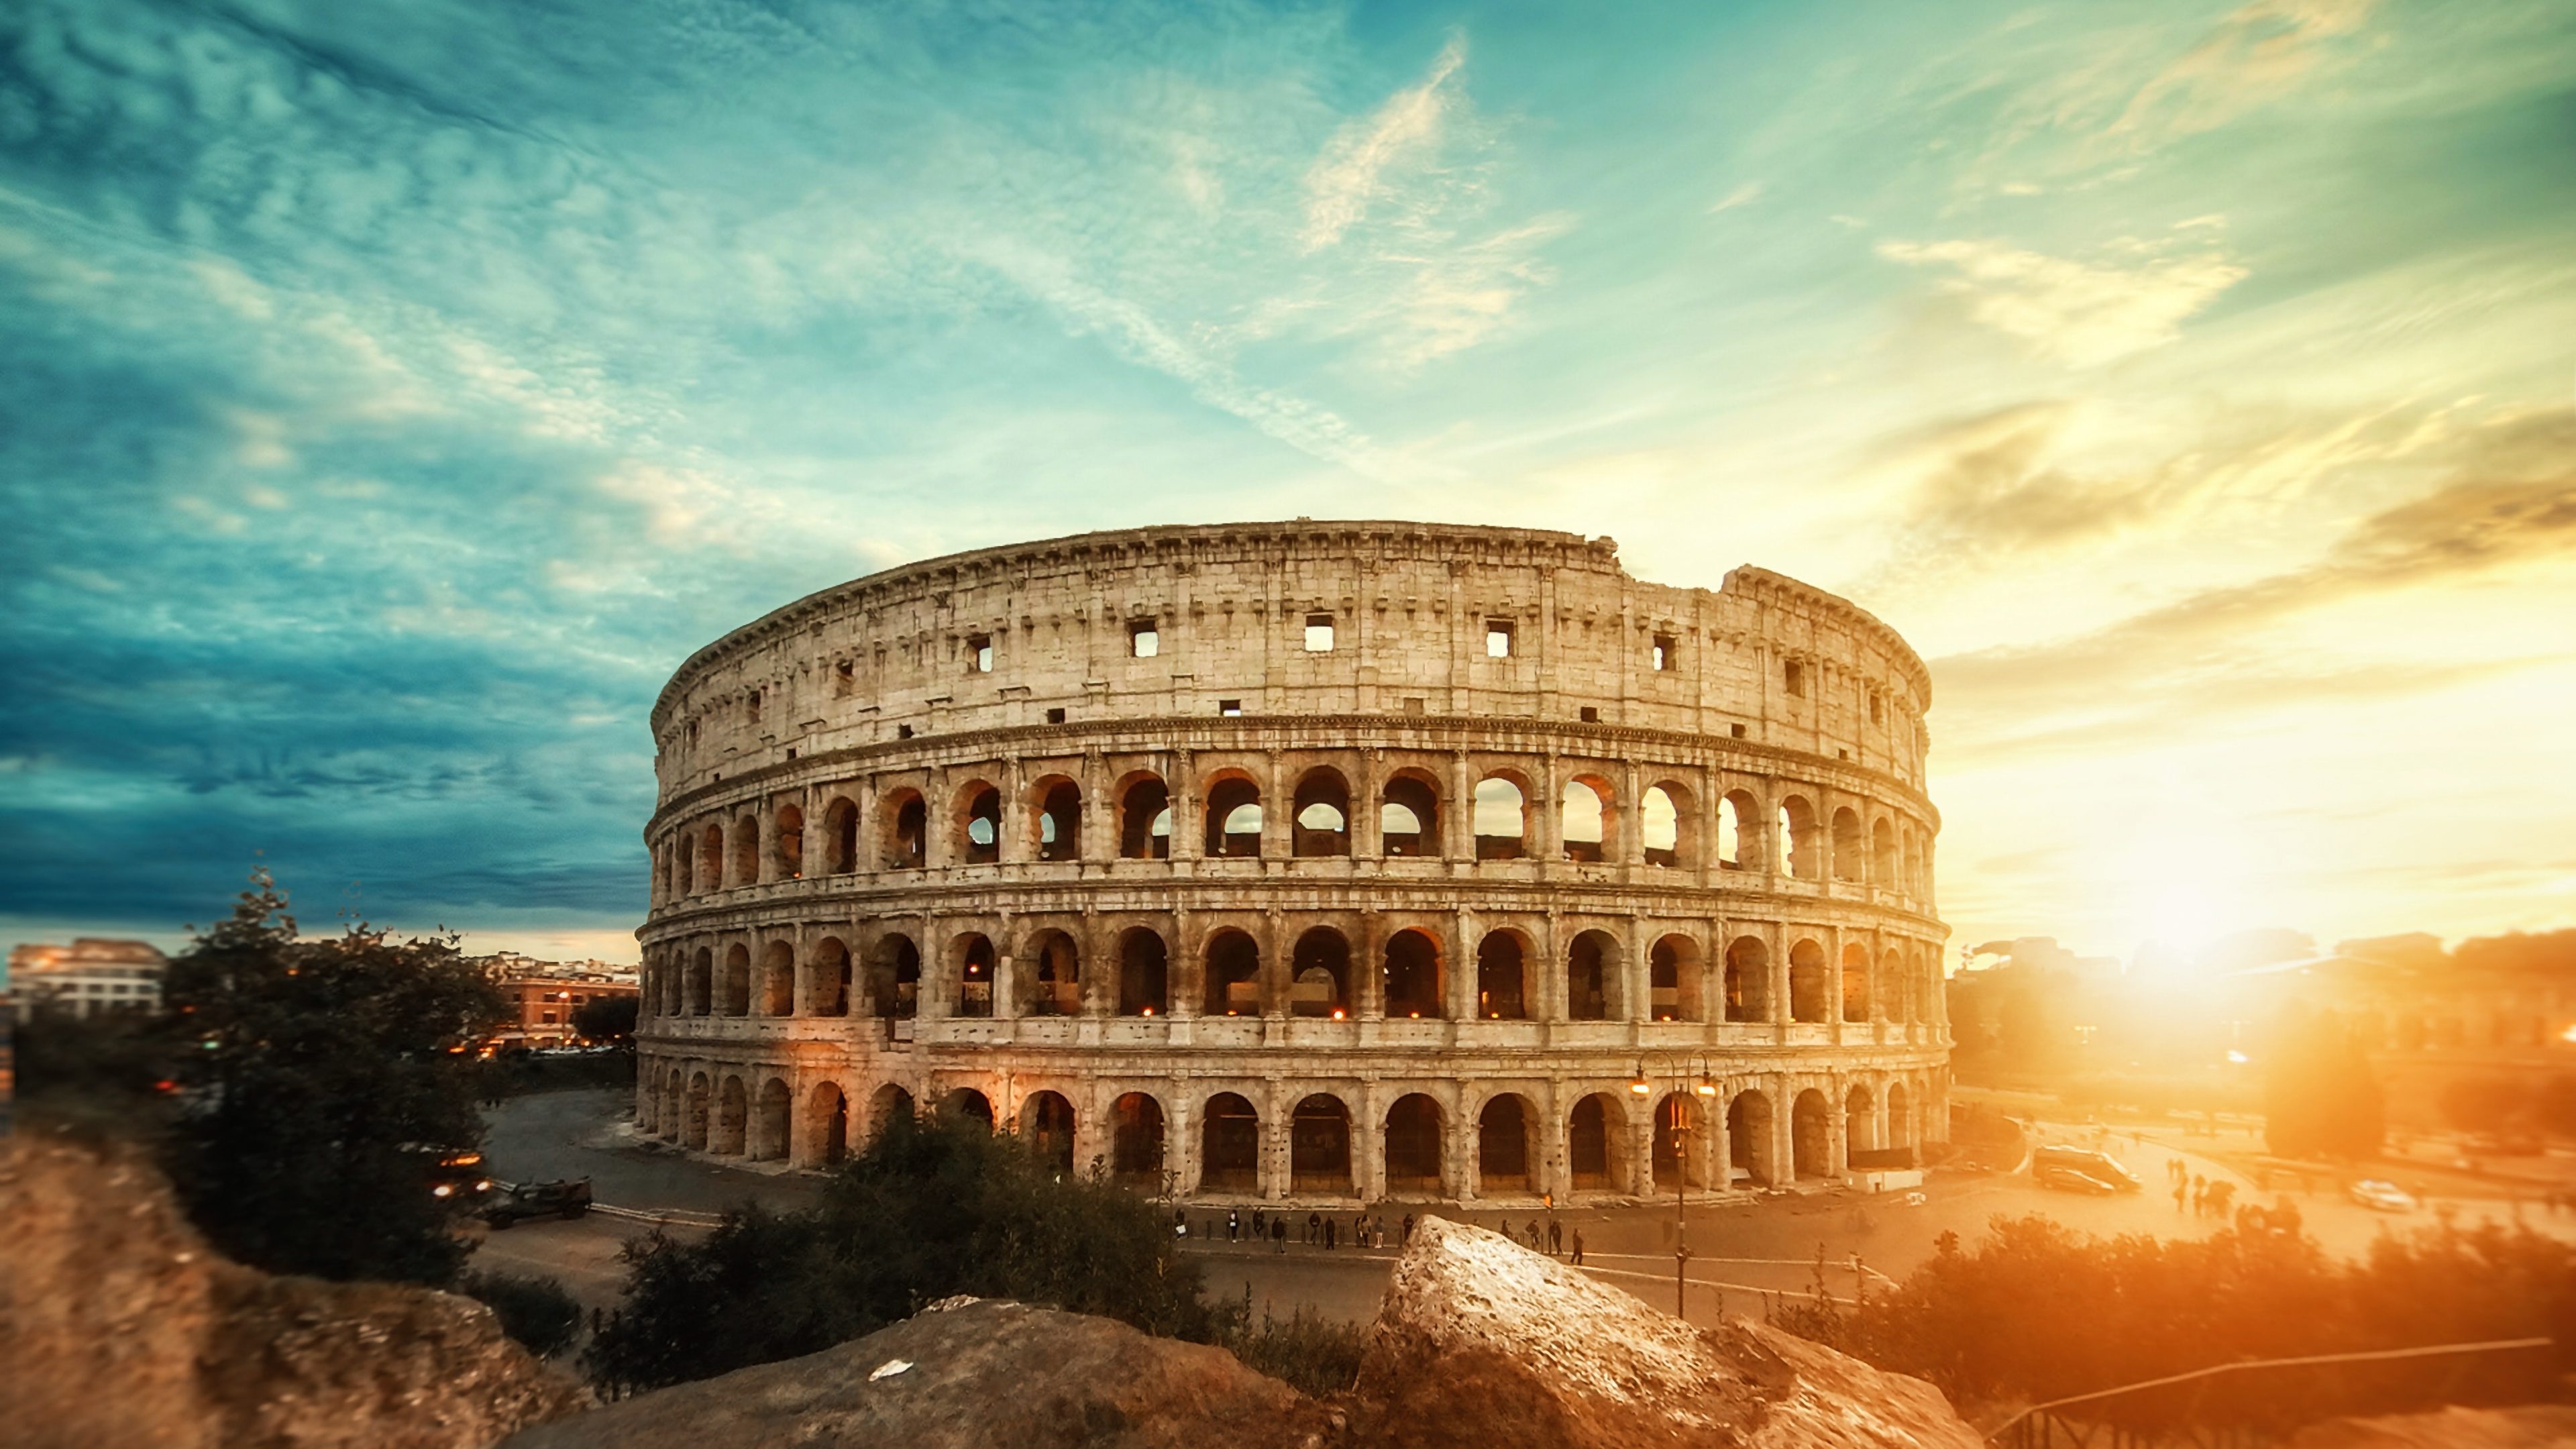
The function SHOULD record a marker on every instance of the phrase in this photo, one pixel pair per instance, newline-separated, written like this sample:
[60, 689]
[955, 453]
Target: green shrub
[1314, 1354]
[535, 1311]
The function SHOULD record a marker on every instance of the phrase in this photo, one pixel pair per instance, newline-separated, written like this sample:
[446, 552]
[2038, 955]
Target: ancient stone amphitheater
[1304, 860]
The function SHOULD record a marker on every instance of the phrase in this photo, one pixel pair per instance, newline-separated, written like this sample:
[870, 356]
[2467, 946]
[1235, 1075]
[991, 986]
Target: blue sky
[391, 396]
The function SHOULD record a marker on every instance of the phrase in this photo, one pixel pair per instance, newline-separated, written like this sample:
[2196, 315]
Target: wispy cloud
[2080, 313]
[2257, 54]
[1353, 172]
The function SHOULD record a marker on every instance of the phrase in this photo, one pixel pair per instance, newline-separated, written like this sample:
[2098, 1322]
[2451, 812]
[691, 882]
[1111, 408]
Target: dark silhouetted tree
[2319, 1096]
[607, 1019]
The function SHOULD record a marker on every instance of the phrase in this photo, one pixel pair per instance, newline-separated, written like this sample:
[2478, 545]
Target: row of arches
[1501, 1148]
[1506, 815]
[1316, 976]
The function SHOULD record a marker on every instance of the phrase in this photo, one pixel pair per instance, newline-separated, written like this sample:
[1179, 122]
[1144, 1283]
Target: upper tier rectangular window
[979, 653]
[1498, 638]
[1319, 633]
[1144, 641]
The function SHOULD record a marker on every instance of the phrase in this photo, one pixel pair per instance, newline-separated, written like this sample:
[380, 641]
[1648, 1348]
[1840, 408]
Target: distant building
[544, 995]
[89, 975]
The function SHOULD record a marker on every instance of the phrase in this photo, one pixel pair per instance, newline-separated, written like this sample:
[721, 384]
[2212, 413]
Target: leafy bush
[535, 1311]
[930, 1210]
[1314, 1354]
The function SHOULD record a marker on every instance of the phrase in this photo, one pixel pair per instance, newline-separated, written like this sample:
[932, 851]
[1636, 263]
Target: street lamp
[1706, 1088]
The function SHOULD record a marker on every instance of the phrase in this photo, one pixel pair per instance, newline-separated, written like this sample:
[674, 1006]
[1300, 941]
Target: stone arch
[1677, 1140]
[1319, 975]
[701, 987]
[1049, 966]
[1855, 982]
[1409, 815]
[787, 844]
[1144, 973]
[1801, 855]
[1596, 1144]
[684, 865]
[1413, 981]
[1234, 817]
[827, 1121]
[1144, 817]
[771, 1123]
[904, 830]
[827, 978]
[889, 1106]
[736, 997]
[894, 975]
[1501, 816]
[1748, 979]
[1229, 1144]
[1506, 1144]
[841, 836]
[1055, 819]
[1415, 1131]
[746, 851]
[1592, 977]
[1046, 1123]
[1232, 973]
[1502, 975]
[967, 1104]
[1319, 815]
[1673, 978]
[701, 1106]
[1811, 1136]
[975, 826]
[1588, 819]
[777, 979]
[1136, 1140]
[1749, 1139]
[1883, 869]
[1849, 852]
[733, 1118]
[976, 966]
[1895, 986]
[1664, 826]
[1900, 1120]
[1860, 1119]
[1319, 1145]
[1739, 831]
[1807, 982]
[711, 857]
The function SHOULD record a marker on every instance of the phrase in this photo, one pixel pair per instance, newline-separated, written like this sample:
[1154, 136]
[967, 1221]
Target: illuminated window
[1667, 653]
[1144, 641]
[979, 648]
[1498, 638]
[1319, 633]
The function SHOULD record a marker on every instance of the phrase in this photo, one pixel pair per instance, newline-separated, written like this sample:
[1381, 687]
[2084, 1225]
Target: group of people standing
[1365, 1230]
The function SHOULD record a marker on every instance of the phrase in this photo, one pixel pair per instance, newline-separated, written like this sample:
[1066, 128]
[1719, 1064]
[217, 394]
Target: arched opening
[1882, 856]
[1413, 1137]
[1591, 975]
[1811, 1135]
[1900, 1120]
[1895, 986]
[827, 979]
[841, 836]
[1409, 817]
[1229, 1145]
[1051, 966]
[1413, 987]
[1145, 819]
[1860, 1120]
[1848, 851]
[1504, 1150]
[965, 1104]
[1234, 817]
[1233, 975]
[1855, 982]
[828, 1113]
[1587, 822]
[733, 1118]
[1320, 975]
[1057, 806]
[1319, 1146]
[1797, 838]
[1320, 815]
[1592, 1143]
[1748, 1139]
[1677, 1135]
[1748, 980]
[1806, 982]
[979, 824]
[1739, 831]
[1136, 1141]
[1672, 979]
[701, 987]
[894, 976]
[1144, 974]
[1501, 819]
[684, 859]
[1660, 813]
[787, 850]
[1501, 977]
[769, 1123]
[1046, 1121]
[975, 961]
[711, 859]
[778, 979]
[737, 981]
[907, 831]
[890, 1105]
[693, 1127]
[746, 851]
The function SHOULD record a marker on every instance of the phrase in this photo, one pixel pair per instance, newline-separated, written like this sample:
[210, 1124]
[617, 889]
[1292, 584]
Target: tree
[313, 1074]
[2319, 1095]
[606, 1019]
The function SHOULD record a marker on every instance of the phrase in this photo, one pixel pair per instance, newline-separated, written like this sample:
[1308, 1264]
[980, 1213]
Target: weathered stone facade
[1304, 860]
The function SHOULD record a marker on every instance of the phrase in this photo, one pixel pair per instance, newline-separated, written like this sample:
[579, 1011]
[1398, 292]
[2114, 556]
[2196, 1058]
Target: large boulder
[2530, 1426]
[119, 1326]
[1483, 1344]
[969, 1374]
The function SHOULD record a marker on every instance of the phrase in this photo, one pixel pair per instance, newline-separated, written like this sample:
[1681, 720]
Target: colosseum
[1304, 861]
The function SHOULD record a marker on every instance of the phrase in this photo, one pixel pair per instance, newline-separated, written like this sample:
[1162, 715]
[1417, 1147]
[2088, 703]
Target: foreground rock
[2533, 1426]
[120, 1327]
[970, 1374]
[1482, 1344]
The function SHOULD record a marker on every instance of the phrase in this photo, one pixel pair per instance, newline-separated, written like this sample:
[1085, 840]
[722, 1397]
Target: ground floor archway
[1319, 1145]
[1413, 1131]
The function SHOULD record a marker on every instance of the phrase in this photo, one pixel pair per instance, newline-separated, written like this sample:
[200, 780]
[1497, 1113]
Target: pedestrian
[1408, 1230]
[1555, 1238]
[1279, 1233]
[1578, 1247]
[1233, 1225]
[1332, 1233]
[1314, 1229]
[2182, 1190]
[2199, 1194]
[1260, 1224]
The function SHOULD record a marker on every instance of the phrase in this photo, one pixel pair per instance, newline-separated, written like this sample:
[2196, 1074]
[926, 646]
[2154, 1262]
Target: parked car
[511, 1201]
[2101, 1167]
[2382, 1196]
[2067, 1179]
[453, 1172]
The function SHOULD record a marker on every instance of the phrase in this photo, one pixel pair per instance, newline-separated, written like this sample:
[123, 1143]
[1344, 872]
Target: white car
[2385, 1197]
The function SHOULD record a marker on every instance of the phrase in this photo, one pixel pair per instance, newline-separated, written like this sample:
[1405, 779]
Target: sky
[392, 395]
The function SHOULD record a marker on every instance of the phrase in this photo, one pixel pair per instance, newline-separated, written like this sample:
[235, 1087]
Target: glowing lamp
[1639, 1086]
